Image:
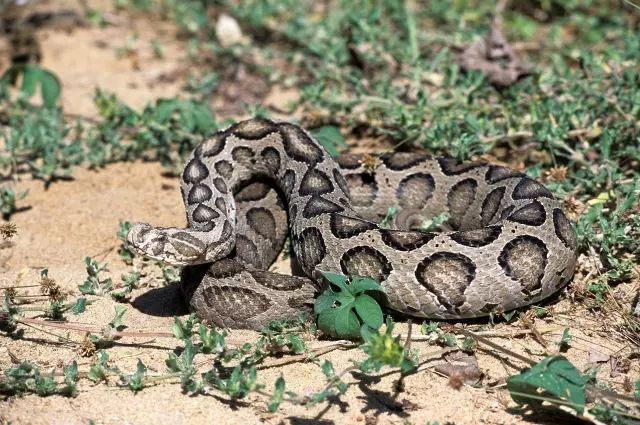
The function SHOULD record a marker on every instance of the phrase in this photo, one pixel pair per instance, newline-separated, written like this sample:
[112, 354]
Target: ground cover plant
[365, 76]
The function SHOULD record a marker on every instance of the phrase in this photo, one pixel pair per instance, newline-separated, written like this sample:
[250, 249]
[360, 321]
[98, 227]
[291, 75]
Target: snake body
[508, 242]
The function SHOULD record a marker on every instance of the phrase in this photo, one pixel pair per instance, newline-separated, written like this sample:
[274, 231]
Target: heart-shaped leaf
[347, 324]
[325, 301]
[369, 311]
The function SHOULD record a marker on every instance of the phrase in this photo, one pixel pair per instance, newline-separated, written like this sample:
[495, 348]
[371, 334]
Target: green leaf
[97, 373]
[366, 332]
[554, 374]
[277, 395]
[30, 77]
[369, 311]
[87, 288]
[337, 279]
[80, 306]
[362, 284]
[117, 322]
[325, 301]
[329, 136]
[347, 324]
[327, 369]
[327, 321]
[49, 88]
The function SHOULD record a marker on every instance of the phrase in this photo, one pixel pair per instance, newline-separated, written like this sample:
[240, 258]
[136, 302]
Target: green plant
[94, 284]
[124, 251]
[556, 376]
[8, 200]
[32, 77]
[27, 379]
[343, 313]
[385, 350]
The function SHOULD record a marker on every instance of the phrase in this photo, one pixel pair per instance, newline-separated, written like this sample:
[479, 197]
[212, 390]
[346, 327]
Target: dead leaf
[494, 57]
[461, 368]
[619, 366]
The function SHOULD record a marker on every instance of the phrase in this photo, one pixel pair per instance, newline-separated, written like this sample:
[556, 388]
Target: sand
[78, 218]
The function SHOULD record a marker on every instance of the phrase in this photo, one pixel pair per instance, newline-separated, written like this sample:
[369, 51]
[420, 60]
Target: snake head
[172, 246]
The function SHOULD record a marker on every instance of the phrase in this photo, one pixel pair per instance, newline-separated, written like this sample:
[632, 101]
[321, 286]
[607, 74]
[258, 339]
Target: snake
[506, 242]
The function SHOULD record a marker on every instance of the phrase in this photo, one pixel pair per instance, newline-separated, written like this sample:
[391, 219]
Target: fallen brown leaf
[461, 368]
[494, 57]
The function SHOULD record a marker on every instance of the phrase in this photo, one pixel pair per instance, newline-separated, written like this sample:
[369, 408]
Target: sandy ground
[77, 218]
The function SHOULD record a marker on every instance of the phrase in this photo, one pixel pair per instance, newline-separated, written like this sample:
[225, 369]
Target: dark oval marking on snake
[447, 275]
[272, 159]
[345, 227]
[477, 237]
[224, 168]
[460, 197]
[289, 182]
[366, 261]
[415, 189]
[453, 167]
[199, 193]
[195, 171]
[220, 185]
[221, 204]
[227, 298]
[224, 268]
[214, 145]
[403, 240]
[491, 205]
[253, 192]
[315, 183]
[318, 205]
[349, 161]
[403, 160]
[532, 214]
[524, 259]
[187, 244]
[495, 173]
[262, 221]
[299, 146]
[253, 129]
[242, 154]
[563, 229]
[311, 248]
[203, 214]
[279, 283]
[530, 189]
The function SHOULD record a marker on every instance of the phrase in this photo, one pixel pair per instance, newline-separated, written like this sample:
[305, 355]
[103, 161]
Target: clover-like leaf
[343, 310]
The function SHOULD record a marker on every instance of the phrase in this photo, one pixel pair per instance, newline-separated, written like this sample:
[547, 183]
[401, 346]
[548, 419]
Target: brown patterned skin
[509, 244]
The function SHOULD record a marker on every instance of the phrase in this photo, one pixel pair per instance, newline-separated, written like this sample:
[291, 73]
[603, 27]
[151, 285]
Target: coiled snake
[509, 243]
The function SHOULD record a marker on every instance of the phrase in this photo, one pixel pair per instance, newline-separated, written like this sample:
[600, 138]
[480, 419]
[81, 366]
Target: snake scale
[507, 242]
